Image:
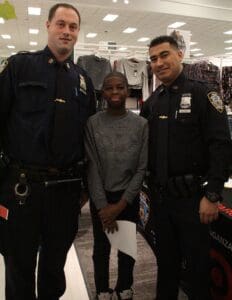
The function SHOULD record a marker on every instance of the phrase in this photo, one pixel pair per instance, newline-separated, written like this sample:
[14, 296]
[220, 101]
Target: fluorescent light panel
[228, 41]
[195, 49]
[228, 48]
[192, 43]
[33, 31]
[176, 25]
[11, 47]
[122, 48]
[110, 18]
[129, 30]
[36, 11]
[2, 21]
[198, 54]
[33, 43]
[91, 35]
[143, 39]
[228, 32]
[228, 53]
[6, 36]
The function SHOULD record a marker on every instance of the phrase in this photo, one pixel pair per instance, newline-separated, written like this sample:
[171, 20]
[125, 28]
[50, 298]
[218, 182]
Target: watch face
[213, 197]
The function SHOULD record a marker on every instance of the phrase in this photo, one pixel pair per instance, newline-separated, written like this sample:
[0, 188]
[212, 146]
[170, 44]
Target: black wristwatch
[213, 197]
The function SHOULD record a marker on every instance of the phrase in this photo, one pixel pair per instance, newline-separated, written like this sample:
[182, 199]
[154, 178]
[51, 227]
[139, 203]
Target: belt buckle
[53, 171]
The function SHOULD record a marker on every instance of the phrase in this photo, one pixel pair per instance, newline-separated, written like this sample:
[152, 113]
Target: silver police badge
[3, 65]
[185, 102]
[83, 87]
[216, 101]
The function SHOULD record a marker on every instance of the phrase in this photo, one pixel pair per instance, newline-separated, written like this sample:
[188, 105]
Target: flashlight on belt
[22, 189]
[55, 182]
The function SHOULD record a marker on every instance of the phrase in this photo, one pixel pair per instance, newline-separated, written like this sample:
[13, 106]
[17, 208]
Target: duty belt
[47, 174]
[180, 186]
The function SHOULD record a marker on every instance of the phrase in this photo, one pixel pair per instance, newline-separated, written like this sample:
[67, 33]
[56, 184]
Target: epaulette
[29, 52]
[196, 80]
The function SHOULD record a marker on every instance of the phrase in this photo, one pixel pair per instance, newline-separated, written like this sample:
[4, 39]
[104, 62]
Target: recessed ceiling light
[198, 54]
[115, 1]
[110, 18]
[33, 43]
[2, 21]
[36, 11]
[228, 41]
[192, 43]
[195, 49]
[6, 36]
[126, 1]
[11, 47]
[143, 39]
[13, 53]
[33, 31]
[122, 48]
[228, 32]
[91, 35]
[228, 48]
[176, 25]
[129, 30]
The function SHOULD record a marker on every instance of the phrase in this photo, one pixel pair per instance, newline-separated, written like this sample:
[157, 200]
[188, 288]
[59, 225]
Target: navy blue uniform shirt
[198, 135]
[30, 88]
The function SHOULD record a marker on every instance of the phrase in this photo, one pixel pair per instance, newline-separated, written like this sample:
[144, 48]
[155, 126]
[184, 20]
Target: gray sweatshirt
[116, 148]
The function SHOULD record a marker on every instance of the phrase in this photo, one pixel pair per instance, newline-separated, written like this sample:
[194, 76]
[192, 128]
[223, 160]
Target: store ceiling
[207, 20]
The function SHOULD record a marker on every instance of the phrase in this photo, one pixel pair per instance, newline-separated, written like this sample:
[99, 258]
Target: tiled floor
[76, 288]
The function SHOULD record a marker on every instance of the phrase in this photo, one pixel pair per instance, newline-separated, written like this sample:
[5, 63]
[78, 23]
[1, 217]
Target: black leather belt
[41, 174]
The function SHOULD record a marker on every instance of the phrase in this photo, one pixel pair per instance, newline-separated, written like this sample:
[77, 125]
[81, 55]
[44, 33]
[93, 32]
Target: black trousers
[180, 237]
[48, 222]
[102, 248]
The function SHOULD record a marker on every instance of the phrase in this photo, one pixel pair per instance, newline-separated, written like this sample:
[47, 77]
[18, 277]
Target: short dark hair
[164, 39]
[116, 74]
[54, 8]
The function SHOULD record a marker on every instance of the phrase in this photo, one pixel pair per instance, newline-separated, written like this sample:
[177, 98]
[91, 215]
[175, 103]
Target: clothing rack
[220, 60]
[111, 51]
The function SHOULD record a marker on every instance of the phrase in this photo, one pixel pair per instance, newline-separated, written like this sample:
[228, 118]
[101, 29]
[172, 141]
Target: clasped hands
[109, 213]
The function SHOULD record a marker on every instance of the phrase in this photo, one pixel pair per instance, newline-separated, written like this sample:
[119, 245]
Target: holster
[184, 186]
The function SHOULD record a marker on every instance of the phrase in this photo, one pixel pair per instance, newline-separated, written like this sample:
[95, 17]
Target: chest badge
[216, 101]
[185, 103]
[83, 87]
[3, 65]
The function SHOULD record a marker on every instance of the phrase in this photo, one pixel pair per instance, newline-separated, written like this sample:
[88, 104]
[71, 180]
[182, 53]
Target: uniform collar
[52, 60]
[175, 86]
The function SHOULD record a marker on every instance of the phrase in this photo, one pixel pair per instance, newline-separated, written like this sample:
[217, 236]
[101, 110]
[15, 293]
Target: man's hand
[111, 228]
[208, 211]
[109, 213]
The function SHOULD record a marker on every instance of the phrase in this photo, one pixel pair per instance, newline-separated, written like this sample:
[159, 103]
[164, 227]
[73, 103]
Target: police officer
[189, 145]
[44, 104]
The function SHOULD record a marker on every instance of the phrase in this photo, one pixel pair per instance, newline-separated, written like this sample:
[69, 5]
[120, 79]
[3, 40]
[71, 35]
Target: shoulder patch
[216, 101]
[3, 65]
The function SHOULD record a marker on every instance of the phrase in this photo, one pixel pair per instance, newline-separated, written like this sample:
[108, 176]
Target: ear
[180, 55]
[47, 24]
